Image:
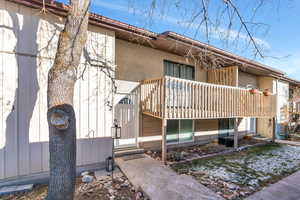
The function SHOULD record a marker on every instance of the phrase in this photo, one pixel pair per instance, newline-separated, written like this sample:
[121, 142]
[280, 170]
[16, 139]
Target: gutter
[62, 9]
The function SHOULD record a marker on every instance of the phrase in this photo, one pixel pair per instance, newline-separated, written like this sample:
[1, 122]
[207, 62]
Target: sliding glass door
[179, 131]
[186, 130]
[173, 131]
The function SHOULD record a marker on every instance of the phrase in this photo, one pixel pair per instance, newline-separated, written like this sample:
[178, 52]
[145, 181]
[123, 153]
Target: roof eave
[61, 9]
[221, 52]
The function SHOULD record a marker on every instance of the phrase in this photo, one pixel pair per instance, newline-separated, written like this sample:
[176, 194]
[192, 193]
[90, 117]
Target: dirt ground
[121, 189]
[187, 153]
[103, 189]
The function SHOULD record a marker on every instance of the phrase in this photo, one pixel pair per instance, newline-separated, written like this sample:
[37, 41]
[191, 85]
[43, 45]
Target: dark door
[226, 127]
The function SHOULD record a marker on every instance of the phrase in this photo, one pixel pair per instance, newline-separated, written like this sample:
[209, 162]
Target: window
[176, 89]
[179, 70]
[291, 93]
[125, 100]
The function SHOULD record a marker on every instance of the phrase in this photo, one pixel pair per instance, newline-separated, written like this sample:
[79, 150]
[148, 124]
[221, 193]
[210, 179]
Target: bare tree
[61, 117]
[235, 23]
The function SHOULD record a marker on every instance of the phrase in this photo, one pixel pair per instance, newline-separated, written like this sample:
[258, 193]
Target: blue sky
[281, 43]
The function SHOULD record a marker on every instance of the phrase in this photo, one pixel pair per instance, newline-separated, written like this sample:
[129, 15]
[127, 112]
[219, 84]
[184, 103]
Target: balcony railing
[295, 107]
[173, 98]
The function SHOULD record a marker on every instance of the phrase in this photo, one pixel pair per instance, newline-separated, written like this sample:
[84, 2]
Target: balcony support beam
[236, 134]
[164, 142]
[274, 129]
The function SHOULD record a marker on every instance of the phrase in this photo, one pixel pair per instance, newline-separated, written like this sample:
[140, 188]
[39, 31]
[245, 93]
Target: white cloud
[219, 33]
[113, 6]
[230, 35]
[290, 64]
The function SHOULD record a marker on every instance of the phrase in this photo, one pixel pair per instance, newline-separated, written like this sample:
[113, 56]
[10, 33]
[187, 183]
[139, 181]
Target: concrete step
[15, 189]
[128, 151]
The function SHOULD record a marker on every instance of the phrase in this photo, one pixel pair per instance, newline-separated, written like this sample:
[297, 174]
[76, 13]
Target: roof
[219, 51]
[160, 41]
[292, 81]
[61, 9]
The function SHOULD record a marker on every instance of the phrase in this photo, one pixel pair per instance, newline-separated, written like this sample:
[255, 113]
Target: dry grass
[103, 189]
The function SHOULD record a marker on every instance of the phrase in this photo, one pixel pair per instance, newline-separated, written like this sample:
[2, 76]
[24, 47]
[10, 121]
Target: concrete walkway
[159, 182]
[286, 189]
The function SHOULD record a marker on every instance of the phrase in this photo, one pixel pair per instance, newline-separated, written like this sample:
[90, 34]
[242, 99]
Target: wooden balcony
[173, 98]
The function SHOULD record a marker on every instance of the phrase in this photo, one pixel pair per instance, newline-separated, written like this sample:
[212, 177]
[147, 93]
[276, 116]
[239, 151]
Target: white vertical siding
[9, 79]
[283, 101]
[282, 105]
[27, 48]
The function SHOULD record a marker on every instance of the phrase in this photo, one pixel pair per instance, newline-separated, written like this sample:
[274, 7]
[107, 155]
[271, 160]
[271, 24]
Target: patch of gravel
[220, 172]
[237, 175]
[276, 161]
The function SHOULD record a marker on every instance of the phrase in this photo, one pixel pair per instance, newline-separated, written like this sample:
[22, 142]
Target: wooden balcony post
[236, 133]
[164, 142]
[274, 130]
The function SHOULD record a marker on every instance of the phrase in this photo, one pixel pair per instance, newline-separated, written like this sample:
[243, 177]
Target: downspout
[277, 110]
[164, 149]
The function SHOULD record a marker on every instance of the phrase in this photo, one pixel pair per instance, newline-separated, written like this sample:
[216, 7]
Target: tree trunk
[61, 117]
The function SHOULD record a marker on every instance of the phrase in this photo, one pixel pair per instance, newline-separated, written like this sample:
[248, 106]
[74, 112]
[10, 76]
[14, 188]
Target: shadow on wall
[19, 154]
[15, 159]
